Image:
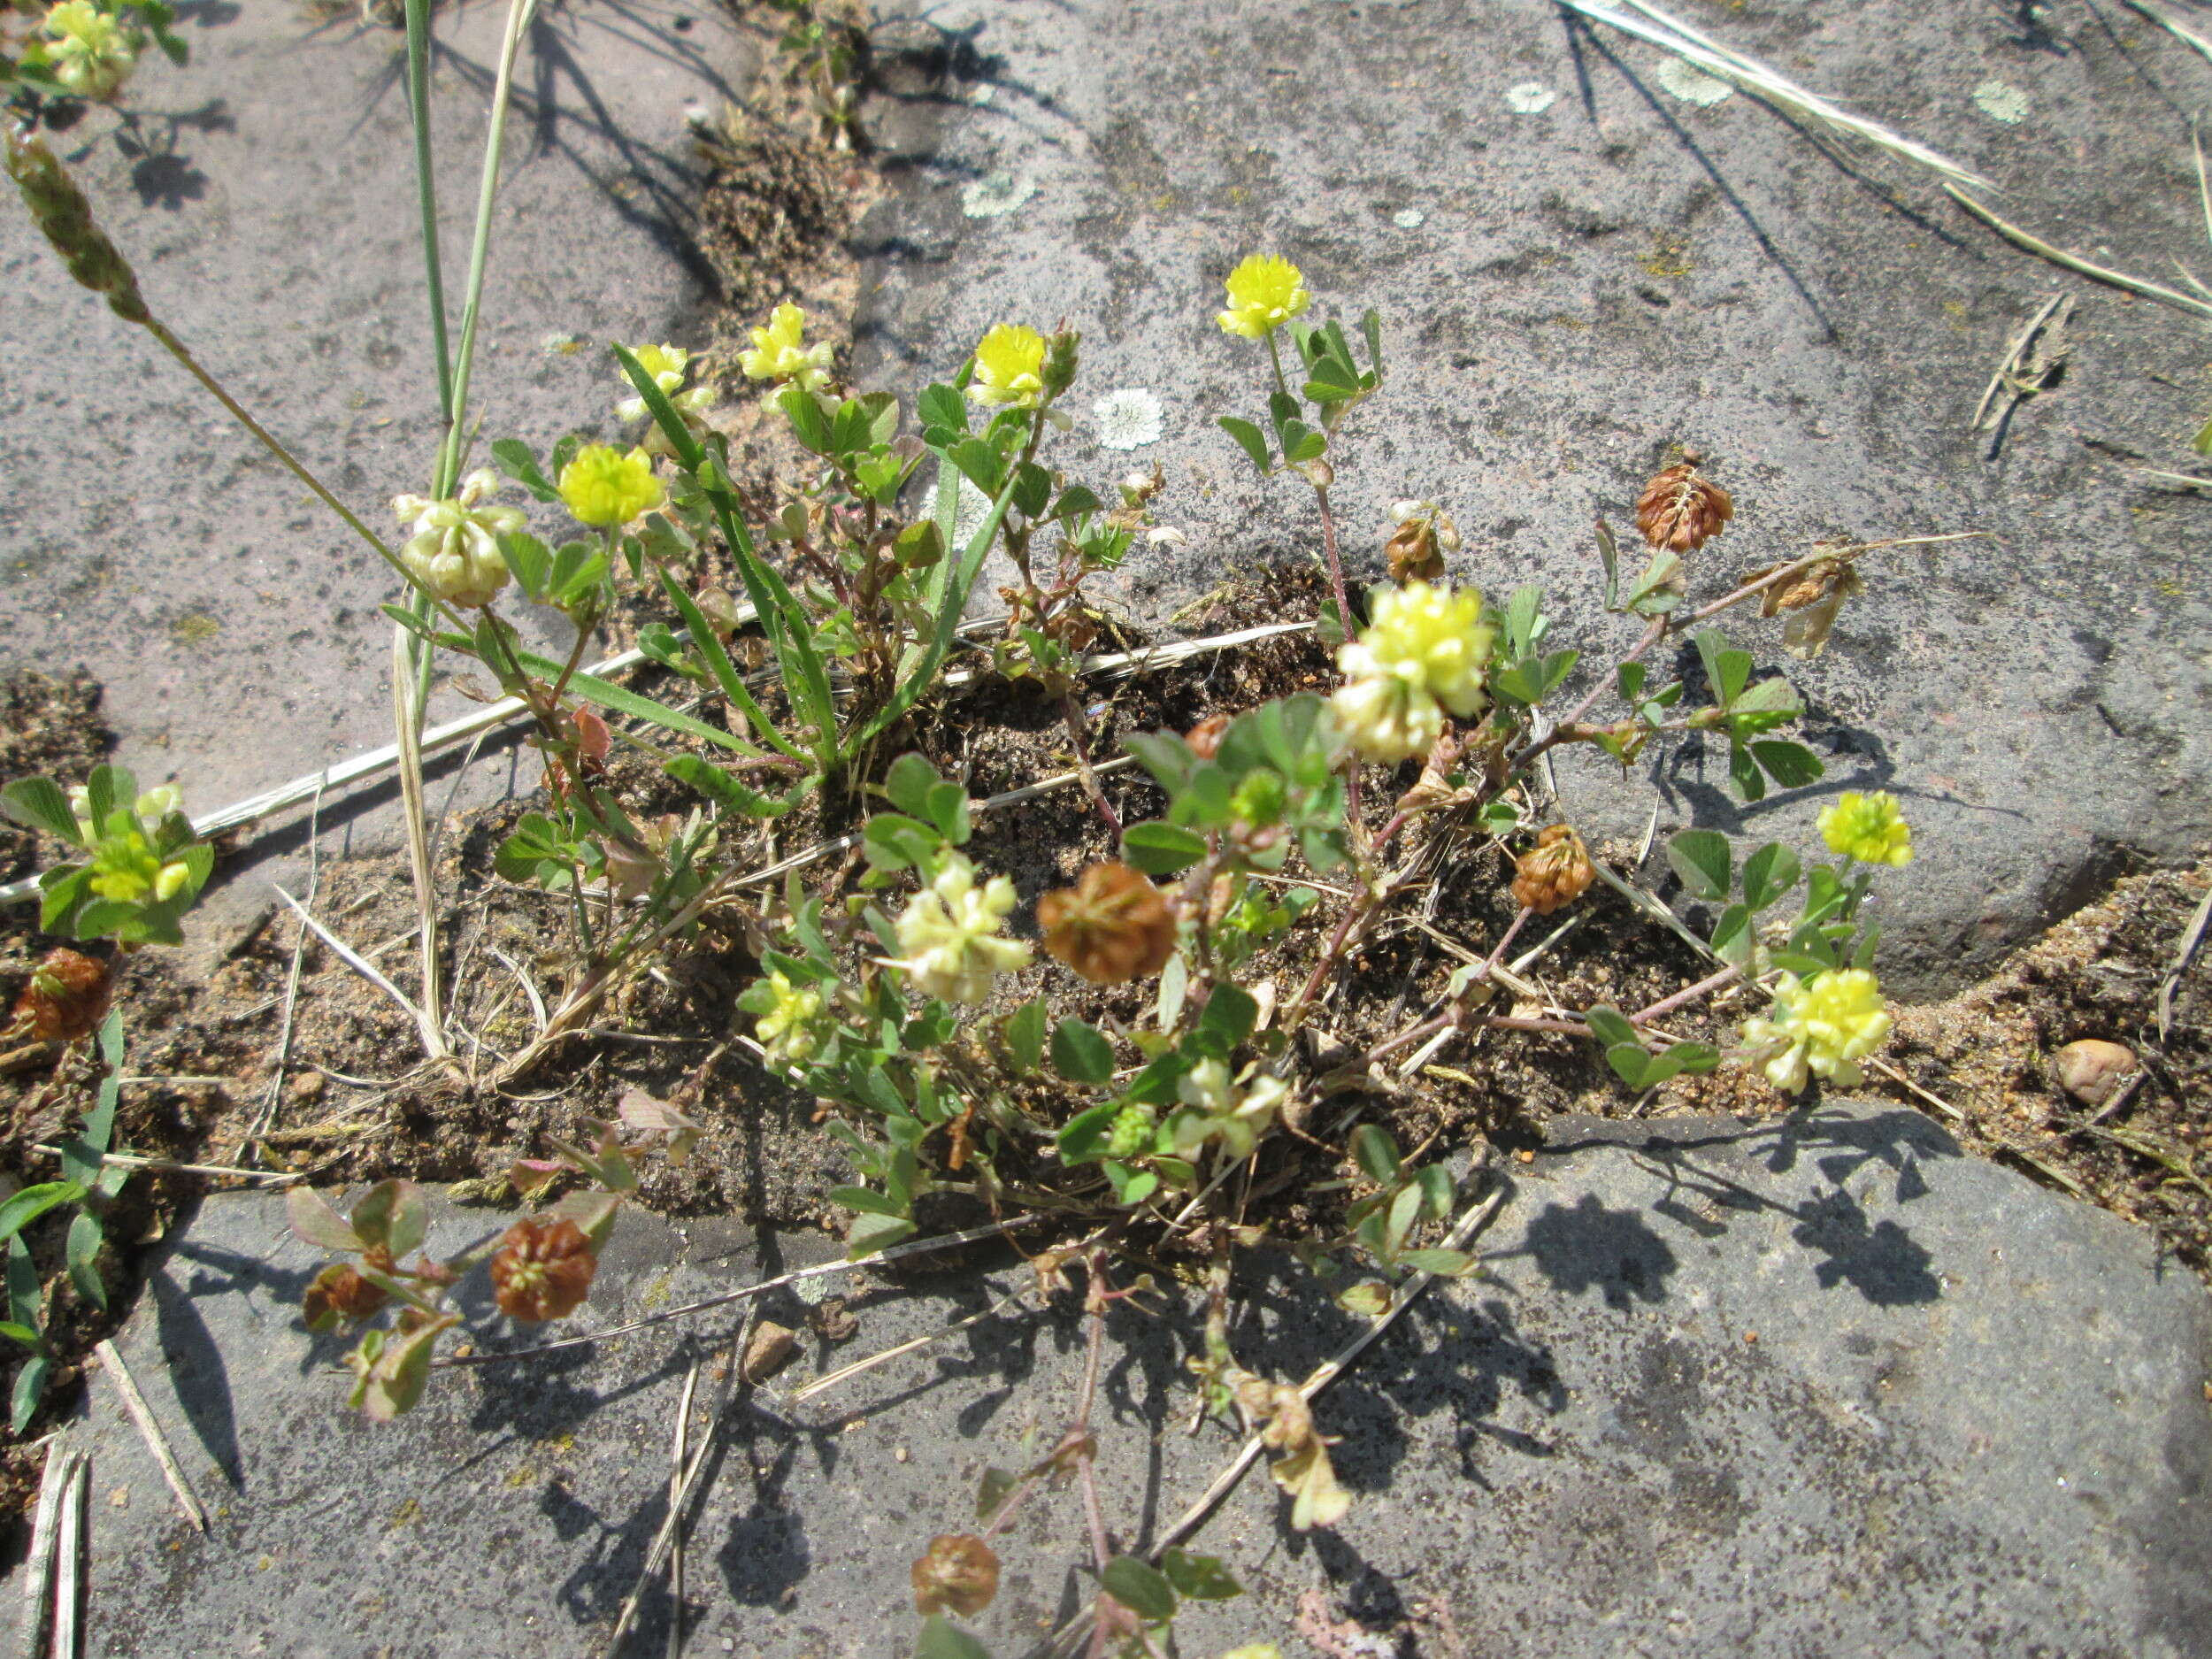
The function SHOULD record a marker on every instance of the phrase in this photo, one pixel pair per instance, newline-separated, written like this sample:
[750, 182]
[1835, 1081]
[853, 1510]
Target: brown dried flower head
[960, 1572]
[1554, 871]
[1412, 553]
[1205, 738]
[543, 1269]
[67, 999]
[339, 1292]
[1682, 509]
[1113, 926]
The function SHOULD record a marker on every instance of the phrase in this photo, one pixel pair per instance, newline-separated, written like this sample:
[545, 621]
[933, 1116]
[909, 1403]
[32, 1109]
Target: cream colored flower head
[1425, 654]
[1009, 367]
[453, 545]
[947, 935]
[780, 352]
[1823, 1029]
[86, 51]
[786, 1031]
[667, 365]
[1265, 292]
[1867, 828]
[604, 488]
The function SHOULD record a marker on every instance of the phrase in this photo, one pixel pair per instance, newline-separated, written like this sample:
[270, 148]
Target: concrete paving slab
[1818, 1385]
[1580, 260]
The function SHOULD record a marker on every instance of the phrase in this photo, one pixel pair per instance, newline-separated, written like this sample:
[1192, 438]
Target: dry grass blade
[1755, 77]
[918, 1246]
[2184, 953]
[822, 1384]
[2160, 1151]
[2157, 480]
[265, 1120]
[679, 1491]
[529, 988]
[38, 1575]
[133, 1160]
[2105, 274]
[675, 1506]
[2180, 32]
[351, 958]
[407, 721]
[2027, 366]
[150, 1431]
[72, 1547]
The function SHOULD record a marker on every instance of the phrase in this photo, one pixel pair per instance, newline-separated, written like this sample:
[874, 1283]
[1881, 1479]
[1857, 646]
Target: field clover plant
[1138, 1084]
[138, 867]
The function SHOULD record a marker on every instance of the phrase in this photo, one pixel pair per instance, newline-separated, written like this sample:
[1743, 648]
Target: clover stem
[1071, 712]
[1343, 618]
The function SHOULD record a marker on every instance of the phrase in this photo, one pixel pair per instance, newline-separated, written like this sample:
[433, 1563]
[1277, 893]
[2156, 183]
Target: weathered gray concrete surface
[270, 210]
[1821, 1385]
[1567, 293]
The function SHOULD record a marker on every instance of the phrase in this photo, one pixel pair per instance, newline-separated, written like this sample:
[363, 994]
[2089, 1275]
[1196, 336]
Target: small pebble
[307, 1086]
[2093, 1070]
[769, 1351]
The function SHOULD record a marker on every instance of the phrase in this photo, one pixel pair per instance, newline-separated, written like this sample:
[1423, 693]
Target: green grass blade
[519, 15]
[725, 672]
[426, 193]
[955, 600]
[607, 694]
[790, 630]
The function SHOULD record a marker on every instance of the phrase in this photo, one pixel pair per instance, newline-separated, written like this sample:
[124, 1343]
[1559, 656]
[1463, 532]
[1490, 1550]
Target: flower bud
[1682, 509]
[543, 1269]
[1112, 927]
[1060, 360]
[158, 803]
[1555, 872]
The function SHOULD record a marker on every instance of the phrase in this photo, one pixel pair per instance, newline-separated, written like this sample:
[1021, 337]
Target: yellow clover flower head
[604, 488]
[947, 935]
[787, 1029]
[665, 363]
[1265, 292]
[125, 868]
[84, 49]
[1009, 367]
[780, 352]
[452, 548]
[1424, 654]
[1867, 828]
[1822, 1029]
